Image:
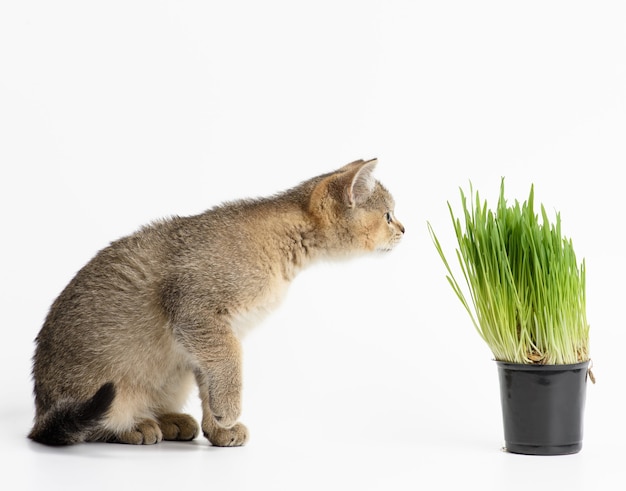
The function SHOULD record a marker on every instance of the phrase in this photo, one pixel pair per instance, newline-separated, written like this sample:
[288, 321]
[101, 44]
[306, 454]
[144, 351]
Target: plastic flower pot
[543, 407]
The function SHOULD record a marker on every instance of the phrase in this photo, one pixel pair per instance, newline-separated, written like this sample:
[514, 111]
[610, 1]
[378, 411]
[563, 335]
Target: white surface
[370, 376]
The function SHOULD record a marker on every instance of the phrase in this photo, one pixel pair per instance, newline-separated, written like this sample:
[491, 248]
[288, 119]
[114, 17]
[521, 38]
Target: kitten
[157, 311]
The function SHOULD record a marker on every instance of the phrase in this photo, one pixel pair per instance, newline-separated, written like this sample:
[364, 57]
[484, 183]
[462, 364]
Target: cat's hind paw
[146, 432]
[181, 427]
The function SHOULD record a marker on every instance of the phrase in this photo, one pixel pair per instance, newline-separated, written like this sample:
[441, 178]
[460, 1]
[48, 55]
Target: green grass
[526, 289]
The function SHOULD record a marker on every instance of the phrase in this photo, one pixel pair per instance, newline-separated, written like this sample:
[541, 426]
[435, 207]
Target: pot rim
[535, 367]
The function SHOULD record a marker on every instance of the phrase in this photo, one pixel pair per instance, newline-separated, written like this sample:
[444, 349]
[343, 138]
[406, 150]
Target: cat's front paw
[235, 436]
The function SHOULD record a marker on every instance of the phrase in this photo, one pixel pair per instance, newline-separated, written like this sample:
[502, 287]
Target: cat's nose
[401, 227]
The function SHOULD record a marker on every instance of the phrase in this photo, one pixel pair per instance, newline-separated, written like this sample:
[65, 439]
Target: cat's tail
[70, 423]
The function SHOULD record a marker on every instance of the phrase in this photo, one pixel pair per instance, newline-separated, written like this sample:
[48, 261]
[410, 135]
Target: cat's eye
[388, 217]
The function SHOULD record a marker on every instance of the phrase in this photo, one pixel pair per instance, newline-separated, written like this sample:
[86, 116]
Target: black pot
[542, 407]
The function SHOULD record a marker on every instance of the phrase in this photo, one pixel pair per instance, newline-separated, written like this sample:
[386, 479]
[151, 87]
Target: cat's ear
[348, 186]
[358, 181]
[351, 165]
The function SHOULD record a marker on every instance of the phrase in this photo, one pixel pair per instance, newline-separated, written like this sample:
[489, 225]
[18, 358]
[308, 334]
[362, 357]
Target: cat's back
[224, 245]
[119, 276]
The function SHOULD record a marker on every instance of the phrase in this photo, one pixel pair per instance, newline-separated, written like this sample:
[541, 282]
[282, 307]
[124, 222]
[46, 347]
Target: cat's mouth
[390, 246]
[387, 248]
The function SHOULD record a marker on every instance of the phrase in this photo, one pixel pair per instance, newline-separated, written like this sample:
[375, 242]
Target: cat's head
[354, 212]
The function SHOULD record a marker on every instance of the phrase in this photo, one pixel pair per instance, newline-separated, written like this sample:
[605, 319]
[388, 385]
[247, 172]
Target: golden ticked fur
[164, 309]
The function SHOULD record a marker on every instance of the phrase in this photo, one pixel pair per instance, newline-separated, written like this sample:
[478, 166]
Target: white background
[370, 376]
